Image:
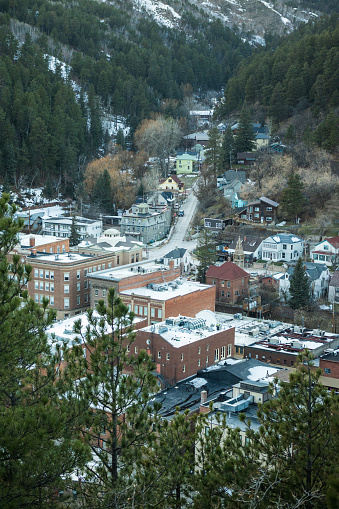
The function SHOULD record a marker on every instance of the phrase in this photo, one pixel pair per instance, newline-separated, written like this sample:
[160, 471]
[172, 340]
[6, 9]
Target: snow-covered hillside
[256, 17]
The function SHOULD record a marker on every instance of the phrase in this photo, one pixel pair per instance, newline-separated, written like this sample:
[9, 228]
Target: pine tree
[115, 387]
[205, 253]
[245, 137]
[75, 236]
[293, 199]
[39, 448]
[213, 150]
[227, 149]
[296, 440]
[300, 289]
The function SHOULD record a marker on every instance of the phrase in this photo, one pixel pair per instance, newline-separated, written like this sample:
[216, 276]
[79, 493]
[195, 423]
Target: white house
[326, 251]
[318, 275]
[61, 227]
[284, 247]
[179, 256]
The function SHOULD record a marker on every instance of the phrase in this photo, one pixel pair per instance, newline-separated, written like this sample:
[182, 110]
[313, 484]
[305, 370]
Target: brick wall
[229, 291]
[332, 365]
[271, 356]
[178, 363]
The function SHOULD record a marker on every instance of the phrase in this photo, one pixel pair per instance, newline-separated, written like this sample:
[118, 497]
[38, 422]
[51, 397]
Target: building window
[216, 355]
[242, 281]
[328, 371]
[222, 293]
[199, 350]
[159, 313]
[36, 273]
[78, 274]
[66, 302]
[96, 292]
[269, 208]
[184, 368]
[222, 353]
[182, 356]
[222, 283]
[66, 276]
[86, 298]
[145, 310]
[78, 300]
[51, 287]
[66, 288]
[47, 274]
[228, 284]
[159, 355]
[268, 218]
[135, 349]
[51, 300]
[41, 272]
[52, 274]
[136, 310]
[128, 348]
[207, 347]
[46, 287]
[36, 297]
[228, 294]
[198, 362]
[206, 360]
[78, 287]
[85, 272]
[104, 293]
[236, 292]
[118, 260]
[36, 285]
[86, 284]
[152, 312]
[168, 356]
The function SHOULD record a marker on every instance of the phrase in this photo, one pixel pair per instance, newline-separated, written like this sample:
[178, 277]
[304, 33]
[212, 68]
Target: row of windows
[228, 293]
[38, 298]
[143, 311]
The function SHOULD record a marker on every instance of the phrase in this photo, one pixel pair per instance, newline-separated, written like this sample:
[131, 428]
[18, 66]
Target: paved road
[178, 233]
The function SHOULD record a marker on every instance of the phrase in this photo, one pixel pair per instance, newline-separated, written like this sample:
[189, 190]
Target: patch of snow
[271, 7]
[260, 372]
[162, 13]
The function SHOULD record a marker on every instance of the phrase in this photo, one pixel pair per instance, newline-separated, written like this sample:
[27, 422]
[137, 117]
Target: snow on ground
[162, 13]
[270, 6]
[260, 372]
[110, 123]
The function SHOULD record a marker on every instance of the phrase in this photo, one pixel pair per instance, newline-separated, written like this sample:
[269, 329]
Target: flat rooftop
[168, 291]
[61, 257]
[39, 240]
[124, 271]
[292, 342]
[190, 331]
[62, 330]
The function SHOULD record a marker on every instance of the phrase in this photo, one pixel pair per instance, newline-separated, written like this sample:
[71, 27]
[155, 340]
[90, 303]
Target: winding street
[177, 237]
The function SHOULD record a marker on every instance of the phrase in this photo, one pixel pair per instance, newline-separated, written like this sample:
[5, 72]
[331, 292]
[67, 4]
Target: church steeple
[239, 256]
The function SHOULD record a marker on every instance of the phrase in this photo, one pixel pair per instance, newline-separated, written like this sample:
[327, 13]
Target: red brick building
[231, 282]
[172, 299]
[181, 346]
[329, 365]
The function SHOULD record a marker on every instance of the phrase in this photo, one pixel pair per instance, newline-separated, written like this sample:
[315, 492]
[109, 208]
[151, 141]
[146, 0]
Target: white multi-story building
[326, 251]
[146, 223]
[61, 227]
[284, 247]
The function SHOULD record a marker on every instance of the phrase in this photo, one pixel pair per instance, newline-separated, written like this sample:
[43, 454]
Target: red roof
[334, 241]
[227, 270]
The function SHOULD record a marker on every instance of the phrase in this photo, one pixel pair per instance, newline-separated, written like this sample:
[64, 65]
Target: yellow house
[172, 183]
[186, 163]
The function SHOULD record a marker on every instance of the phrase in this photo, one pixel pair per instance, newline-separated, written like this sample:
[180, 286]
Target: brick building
[44, 243]
[171, 299]
[62, 278]
[181, 346]
[134, 275]
[231, 282]
[284, 347]
[329, 365]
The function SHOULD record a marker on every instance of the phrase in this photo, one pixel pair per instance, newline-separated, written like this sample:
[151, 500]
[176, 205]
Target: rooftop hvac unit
[297, 328]
[296, 344]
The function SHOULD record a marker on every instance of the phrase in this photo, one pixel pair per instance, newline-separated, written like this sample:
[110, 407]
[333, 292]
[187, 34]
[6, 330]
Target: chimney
[31, 242]
[203, 397]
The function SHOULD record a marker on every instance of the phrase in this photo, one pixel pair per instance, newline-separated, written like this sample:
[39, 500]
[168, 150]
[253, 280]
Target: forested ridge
[130, 64]
[302, 71]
